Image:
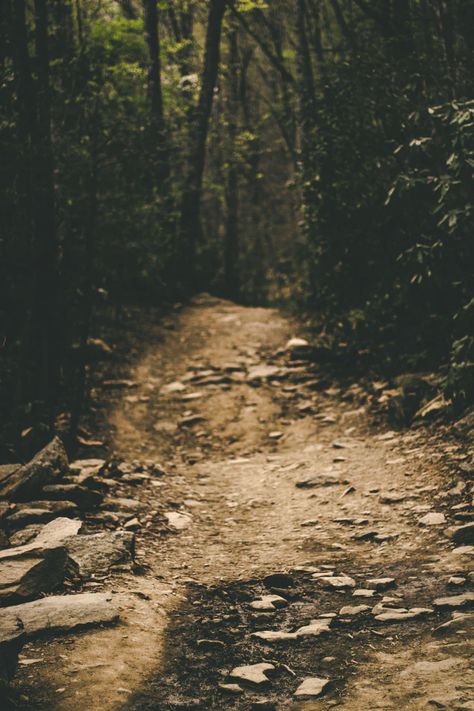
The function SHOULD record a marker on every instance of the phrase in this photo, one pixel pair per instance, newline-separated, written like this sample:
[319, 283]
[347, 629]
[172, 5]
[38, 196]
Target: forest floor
[270, 485]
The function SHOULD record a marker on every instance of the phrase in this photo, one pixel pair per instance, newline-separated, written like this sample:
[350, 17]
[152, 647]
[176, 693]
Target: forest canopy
[313, 153]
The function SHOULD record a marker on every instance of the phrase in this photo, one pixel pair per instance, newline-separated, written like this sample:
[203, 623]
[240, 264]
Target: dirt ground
[273, 471]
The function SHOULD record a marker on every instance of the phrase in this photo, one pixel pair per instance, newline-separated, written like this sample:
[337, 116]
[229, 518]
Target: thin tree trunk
[151, 20]
[45, 306]
[231, 252]
[191, 199]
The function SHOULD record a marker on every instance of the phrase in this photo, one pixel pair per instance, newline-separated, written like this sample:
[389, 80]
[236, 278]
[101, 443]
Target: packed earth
[252, 537]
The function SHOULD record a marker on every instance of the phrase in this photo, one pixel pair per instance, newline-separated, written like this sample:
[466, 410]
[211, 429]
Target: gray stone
[464, 535]
[338, 582]
[96, 553]
[380, 584]
[269, 603]
[25, 577]
[84, 497]
[432, 519]
[460, 622]
[25, 482]
[62, 613]
[464, 600]
[52, 535]
[177, 520]
[253, 674]
[312, 687]
[40, 512]
[402, 615]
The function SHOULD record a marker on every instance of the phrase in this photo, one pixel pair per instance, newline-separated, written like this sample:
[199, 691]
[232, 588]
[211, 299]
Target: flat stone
[432, 519]
[353, 610]
[254, 674]
[62, 613]
[460, 622]
[84, 497]
[312, 687]
[316, 628]
[52, 535]
[464, 600]
[233, 689]
[262, 372]
[170, 388]
[96, 553]
[25, 577]
[268, 603]
[40, 512]
[26, 481]
[338, 582]
[396, 616]
[320, 481]
[177, 520]
[362, 592]
[275, 636]
[380, 584]
[464, 535]
[395, 497]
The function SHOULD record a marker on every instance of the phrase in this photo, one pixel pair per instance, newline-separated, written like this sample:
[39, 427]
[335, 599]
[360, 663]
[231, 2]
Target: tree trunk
[191, 199]
[151, 20]
[231, 252]
[45, 248]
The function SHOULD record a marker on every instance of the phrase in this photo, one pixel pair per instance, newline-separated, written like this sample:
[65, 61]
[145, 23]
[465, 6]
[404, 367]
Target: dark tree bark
[151, 19]
[45, 247]
[191, 199]
[231, 251]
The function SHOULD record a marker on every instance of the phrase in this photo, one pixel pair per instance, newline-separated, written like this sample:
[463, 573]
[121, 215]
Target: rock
[26, 481]
[322, 480]
[25, 535]
[210, 645]
[262, 372]
[338, 582]
[190, 420]
[269, 603]
[392, 498]
[464, 535]
[460, 622]
[96, 553]
[178, 521]
[464, 600]
[316, 628]
[275, 435]
[52, 535]
[456, 581]
[233, 689]
[12, 638]
[351, 611]
[25, 577]
[120, 503]
[380, 584]
[275, 636]
[402, 615]
[297, 344]
[361, 592]
[132, 525]
[40, 512]
[84, 497]
[170, 388]
[312, 687]
[254, 674]
[278, 580]
[62, 613]
[432, 519]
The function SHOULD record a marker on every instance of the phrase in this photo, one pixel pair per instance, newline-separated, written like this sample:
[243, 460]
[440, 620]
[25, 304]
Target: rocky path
[290, 555]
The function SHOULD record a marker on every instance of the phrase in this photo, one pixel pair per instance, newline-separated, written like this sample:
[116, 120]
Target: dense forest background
[316, 154]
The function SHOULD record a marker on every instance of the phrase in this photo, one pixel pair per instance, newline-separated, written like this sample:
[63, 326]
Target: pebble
[234, 689]
[350, 611]
[362, 592]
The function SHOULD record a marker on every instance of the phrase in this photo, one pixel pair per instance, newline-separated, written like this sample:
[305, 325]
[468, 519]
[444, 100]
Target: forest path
[271, 473]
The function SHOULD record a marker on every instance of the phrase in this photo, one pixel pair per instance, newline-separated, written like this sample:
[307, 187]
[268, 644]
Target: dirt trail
[270, 475]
